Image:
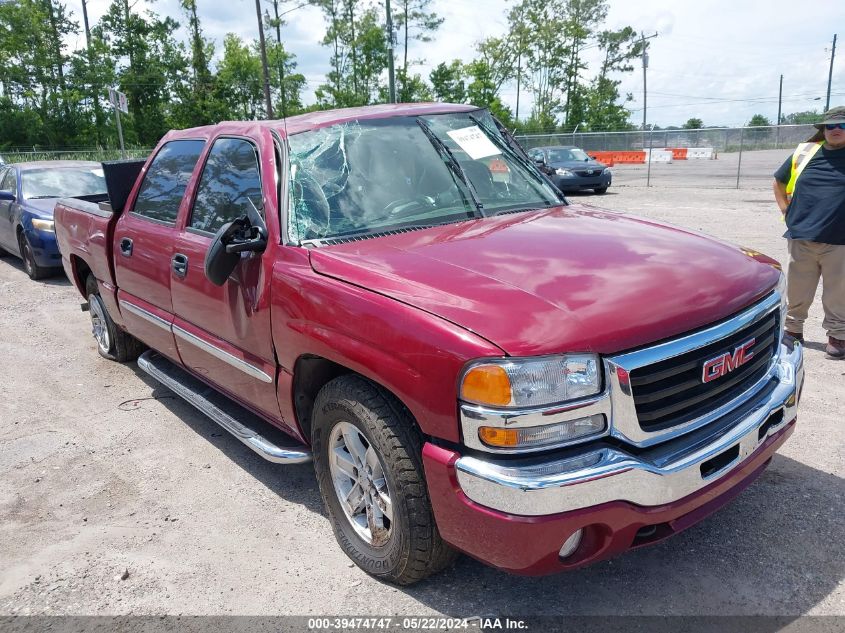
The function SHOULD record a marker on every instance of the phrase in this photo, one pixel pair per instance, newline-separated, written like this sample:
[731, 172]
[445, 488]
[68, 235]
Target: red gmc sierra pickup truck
[472, 363]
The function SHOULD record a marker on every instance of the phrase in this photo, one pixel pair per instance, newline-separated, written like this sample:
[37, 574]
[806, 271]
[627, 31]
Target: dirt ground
[118, 498]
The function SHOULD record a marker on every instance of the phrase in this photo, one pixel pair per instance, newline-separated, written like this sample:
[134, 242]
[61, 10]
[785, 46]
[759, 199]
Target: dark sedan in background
[571, 169]
[28, 193]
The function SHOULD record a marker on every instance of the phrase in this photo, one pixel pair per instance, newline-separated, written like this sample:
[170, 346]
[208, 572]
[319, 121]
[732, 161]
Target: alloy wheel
[360, 484]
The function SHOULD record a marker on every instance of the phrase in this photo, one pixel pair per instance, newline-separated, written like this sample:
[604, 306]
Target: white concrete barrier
[658, 155]
[699, 153]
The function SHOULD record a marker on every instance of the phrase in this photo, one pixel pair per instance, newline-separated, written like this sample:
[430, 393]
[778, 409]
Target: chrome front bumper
[664, 474]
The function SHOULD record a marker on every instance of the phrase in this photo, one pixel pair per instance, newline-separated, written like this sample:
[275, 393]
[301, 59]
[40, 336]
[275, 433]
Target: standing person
[810, 191]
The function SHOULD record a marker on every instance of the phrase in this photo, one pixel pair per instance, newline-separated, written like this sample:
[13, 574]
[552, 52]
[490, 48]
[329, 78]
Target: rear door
[143, 244]
[223, 332]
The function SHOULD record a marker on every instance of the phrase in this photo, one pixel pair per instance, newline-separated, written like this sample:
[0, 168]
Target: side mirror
[539, 160]
[7, 196]
[233, 238]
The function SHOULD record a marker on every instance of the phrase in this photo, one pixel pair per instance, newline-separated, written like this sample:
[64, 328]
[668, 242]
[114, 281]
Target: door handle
[179, 262]
[126, 247]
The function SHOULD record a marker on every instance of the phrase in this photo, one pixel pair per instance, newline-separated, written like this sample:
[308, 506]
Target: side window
[7, 179]
[166, 180]
[230, 185]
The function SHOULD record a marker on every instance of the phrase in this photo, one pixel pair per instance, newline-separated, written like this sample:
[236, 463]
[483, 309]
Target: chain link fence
[98, 155]
[725, 139]
[743, 157]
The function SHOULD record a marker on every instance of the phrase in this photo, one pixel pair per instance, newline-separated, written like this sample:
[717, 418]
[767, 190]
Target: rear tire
[601, 190]
[32, 269]
[112, 342]
[367, 450]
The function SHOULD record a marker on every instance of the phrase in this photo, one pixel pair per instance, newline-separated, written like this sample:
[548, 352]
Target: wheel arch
[312, 373]
[80, 270]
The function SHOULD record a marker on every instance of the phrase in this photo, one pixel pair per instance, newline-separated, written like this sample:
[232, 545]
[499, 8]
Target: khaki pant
[807, 262]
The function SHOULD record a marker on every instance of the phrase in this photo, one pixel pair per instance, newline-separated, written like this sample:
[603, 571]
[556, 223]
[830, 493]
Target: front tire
[112, 342]
[367, 457]
[601, 190]
[32, 269]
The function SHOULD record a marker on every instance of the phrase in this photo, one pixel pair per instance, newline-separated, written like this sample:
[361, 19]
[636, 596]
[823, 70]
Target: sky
[717, 60]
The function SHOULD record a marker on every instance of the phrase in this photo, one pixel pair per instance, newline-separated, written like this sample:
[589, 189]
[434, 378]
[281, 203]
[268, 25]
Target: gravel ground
[118, 498]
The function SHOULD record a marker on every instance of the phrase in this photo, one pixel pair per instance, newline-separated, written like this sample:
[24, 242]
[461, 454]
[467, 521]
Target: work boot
[789, 338]
[835, 349]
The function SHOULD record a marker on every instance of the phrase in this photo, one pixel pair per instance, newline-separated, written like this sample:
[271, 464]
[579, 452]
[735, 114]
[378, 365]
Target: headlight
[44, 225]
[531, 382]
[563, 172]
[607, 170]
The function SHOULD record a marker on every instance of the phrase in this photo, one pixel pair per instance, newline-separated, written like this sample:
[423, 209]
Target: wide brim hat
[834, 115]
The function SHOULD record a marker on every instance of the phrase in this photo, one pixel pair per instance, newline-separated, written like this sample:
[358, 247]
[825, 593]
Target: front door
[8, 183]
[223, 332]
[143, 244]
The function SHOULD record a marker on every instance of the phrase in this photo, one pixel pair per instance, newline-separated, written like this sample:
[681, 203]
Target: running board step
[227, 413]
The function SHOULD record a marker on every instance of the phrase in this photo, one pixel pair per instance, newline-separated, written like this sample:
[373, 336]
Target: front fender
[415, 355]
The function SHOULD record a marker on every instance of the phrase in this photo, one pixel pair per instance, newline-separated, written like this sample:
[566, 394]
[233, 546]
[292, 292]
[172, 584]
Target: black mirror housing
[7, 196]
[219, 260]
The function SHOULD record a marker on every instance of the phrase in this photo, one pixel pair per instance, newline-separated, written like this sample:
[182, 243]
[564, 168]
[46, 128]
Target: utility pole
[518, 75]
[95, 90]
[281, 57]
[830, 74]
[267, 100]
[780, 100]
[645, 83]
[391, 78]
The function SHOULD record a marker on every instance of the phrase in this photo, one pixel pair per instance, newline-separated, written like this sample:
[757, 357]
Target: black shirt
[817, 210]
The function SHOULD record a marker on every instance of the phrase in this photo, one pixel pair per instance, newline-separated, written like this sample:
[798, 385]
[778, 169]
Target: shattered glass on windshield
[376, 175]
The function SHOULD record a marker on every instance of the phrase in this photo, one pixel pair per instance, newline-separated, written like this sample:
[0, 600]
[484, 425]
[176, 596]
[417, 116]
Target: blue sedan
[28, 193]
[570, 169]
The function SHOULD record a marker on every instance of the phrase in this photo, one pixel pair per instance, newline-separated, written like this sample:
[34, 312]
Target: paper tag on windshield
[474, 142]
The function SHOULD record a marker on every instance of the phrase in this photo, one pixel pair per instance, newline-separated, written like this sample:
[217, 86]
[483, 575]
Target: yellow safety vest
[800, 159]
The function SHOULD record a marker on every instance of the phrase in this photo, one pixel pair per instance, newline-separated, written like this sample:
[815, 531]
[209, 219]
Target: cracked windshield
[378, 175]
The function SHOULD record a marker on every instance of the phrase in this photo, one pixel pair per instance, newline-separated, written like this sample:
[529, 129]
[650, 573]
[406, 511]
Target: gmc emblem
[727, 362]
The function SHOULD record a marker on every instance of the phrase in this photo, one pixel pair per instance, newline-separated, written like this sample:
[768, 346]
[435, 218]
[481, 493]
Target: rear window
[63, 182]
[166, 179]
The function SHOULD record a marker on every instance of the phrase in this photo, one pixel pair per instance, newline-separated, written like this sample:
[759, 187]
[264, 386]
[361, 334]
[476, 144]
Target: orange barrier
[678, 153]
[611, 158]
[603, 157]
[629, 157]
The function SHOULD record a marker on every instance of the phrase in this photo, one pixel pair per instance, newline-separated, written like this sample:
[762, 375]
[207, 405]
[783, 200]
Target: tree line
[53, 97]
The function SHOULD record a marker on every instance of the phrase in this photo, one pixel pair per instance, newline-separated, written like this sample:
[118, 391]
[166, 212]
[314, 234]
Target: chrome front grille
[672, 392]
[658, 392]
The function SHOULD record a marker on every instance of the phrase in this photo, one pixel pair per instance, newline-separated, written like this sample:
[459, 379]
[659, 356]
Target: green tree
[286, 84]
[359, 58]
[759, 120]
[693, 124]
[416, 22]
[197, 94]
[157, 65]
[447, 82]
[804, 117]
[604, 111]
[240, 81]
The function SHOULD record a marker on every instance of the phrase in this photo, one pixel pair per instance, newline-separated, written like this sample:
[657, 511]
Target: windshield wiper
[505, 148]
[452, 162]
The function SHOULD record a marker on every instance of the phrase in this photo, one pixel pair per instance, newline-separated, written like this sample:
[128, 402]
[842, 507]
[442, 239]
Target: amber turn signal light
[501, 438]
[487, 384]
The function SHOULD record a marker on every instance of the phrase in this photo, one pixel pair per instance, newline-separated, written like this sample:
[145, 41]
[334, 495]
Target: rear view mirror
[233, 238]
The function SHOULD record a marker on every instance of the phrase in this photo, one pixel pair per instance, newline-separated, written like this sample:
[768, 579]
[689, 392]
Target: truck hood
[559, 280]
